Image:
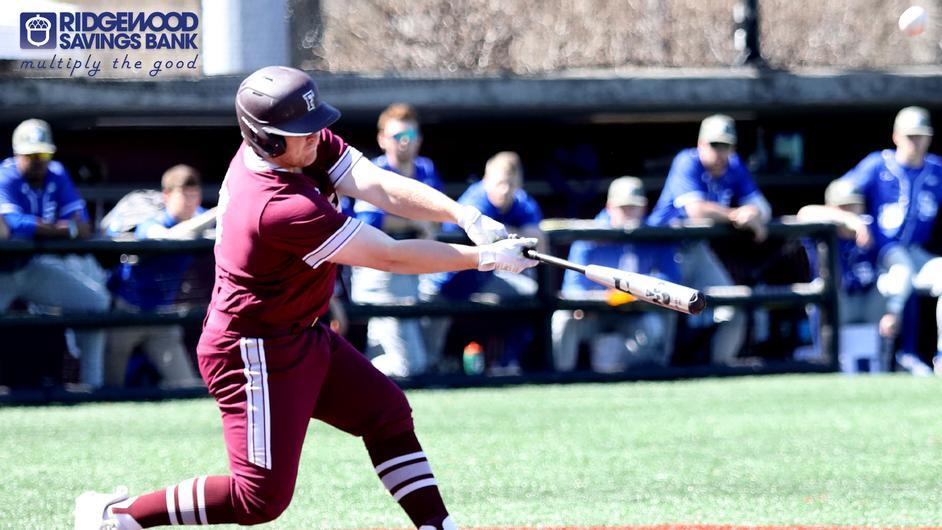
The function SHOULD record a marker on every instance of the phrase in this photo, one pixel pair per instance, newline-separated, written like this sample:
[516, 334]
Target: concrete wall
[579, 95]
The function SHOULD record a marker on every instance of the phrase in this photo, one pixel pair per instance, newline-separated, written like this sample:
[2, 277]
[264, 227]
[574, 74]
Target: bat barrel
[648, 288]
[697, 303]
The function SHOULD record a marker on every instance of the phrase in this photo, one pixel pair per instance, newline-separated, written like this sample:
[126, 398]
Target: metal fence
[821, 293]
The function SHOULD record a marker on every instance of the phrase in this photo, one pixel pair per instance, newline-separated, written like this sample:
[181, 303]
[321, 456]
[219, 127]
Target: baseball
[913, 21]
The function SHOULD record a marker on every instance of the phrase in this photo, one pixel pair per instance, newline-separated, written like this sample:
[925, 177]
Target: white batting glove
[480, 228]
[507, 255]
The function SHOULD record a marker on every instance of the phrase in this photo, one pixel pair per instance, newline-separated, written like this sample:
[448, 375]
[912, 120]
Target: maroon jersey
[275, 232]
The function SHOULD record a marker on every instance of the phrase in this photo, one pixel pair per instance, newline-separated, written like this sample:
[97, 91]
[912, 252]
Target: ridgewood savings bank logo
[87, 30]
[37, 31]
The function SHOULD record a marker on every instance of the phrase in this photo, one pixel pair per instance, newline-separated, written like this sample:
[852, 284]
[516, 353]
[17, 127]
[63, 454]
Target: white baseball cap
[626, 191]
[913, 121]
[718, 128]
[32, 137]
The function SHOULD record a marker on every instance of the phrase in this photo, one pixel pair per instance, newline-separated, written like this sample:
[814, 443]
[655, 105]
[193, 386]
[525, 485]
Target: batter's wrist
[466, 216]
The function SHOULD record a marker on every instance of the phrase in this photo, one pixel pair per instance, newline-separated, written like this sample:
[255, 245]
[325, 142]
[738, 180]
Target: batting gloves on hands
[480, 228]
[506, 255]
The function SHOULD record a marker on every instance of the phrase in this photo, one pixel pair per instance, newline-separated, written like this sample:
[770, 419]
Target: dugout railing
[560, 233]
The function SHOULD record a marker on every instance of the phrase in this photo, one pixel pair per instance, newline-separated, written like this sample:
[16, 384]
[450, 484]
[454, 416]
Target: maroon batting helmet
[278, 101]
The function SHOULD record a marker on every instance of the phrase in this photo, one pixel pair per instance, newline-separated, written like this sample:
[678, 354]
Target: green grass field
[792, 450]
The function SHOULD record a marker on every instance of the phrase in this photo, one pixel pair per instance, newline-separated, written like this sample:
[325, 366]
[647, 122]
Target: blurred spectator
[860, 303]
[499, 195]
[38, 201]
[396, 346]
[152, 284]
[902, 189]
[618, 340]
[710, 183]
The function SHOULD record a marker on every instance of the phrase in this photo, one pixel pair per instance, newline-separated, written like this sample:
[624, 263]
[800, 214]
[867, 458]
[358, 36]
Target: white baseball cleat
[913, 364]
[91, 509]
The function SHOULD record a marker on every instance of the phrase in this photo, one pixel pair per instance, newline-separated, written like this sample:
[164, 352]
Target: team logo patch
[309, 99]
[37, 31]
[890, 218]
[927, 206]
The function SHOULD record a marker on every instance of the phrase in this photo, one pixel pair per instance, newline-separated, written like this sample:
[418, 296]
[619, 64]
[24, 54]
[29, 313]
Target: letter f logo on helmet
[309, 99]
[278, 101]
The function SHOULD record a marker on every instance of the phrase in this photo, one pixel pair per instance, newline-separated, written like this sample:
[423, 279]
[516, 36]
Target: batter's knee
[262, 502]
[394, 419]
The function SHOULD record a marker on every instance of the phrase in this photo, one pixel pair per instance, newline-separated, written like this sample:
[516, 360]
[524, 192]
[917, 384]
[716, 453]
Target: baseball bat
[644, 287]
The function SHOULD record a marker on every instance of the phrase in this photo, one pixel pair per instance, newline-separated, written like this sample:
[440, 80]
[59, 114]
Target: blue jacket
[689, 181]
[22, 206]
[154, 281]
[903, 201]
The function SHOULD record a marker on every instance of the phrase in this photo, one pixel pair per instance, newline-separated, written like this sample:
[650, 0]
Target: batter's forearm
[419, 256]
[398, 195]
[413, 200]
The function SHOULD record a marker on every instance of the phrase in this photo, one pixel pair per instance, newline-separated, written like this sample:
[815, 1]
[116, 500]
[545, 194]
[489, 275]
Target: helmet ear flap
[273, 144]
[262, 142]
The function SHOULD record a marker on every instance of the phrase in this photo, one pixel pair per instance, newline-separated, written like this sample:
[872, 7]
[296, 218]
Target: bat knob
[697, 303]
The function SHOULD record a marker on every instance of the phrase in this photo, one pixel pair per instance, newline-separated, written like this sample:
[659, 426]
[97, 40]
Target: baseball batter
[266, 358]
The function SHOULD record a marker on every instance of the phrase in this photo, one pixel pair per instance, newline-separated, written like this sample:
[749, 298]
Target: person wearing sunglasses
[38, 201]
[395, 345]
[709, 182]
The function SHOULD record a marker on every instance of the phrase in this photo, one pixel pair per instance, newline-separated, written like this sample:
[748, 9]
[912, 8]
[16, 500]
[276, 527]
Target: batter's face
[500, 189]
[912, 147]
[182, 202]
[400, 140]
[300, 151]
[715, 156]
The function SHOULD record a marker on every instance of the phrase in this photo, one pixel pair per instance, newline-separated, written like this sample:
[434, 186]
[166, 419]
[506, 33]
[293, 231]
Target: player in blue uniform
[396, 346]
[153, 283]
[902, 189]
[500, 196]
[710, 182]
[861, 304]
[38, 201]
[618, 340]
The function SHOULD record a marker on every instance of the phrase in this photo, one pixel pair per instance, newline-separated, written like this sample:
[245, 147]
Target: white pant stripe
[398, 460]
[261, 354]
[402, 474]
[201, 499]
[172, 506]
[419, 484]
[249, 406]
[185, 494]
[258, 427]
